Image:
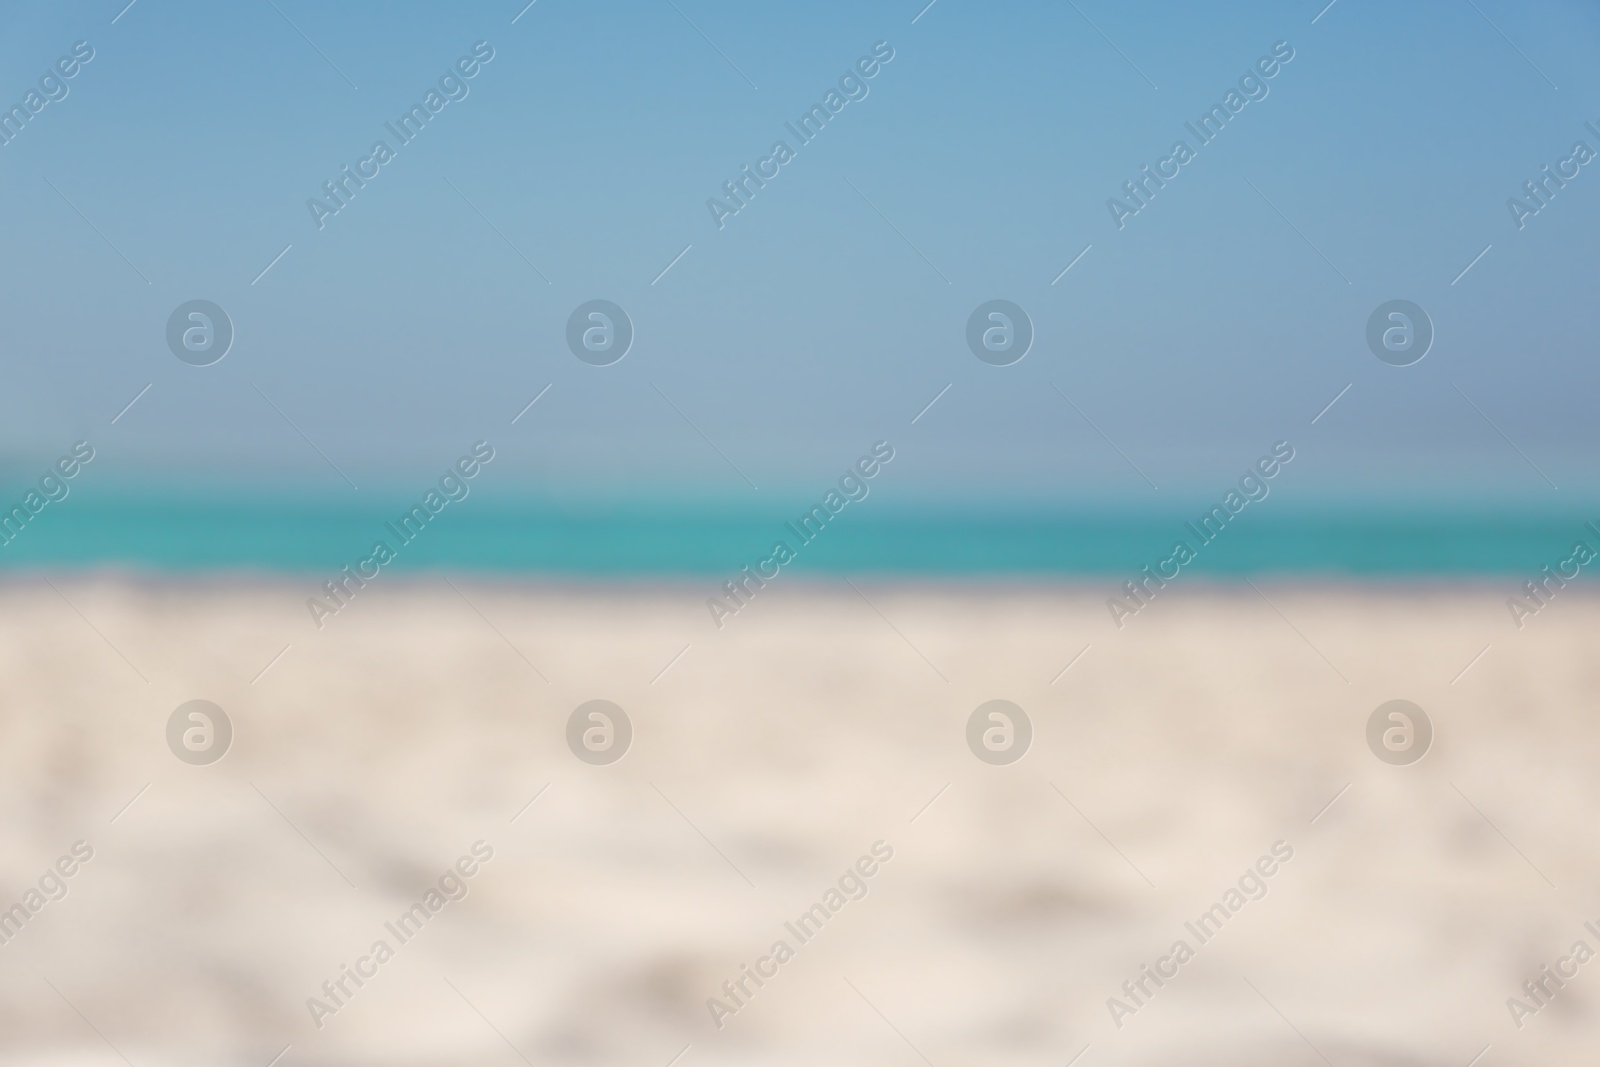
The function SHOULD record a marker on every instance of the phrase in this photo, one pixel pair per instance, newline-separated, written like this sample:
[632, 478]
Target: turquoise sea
[217, 532]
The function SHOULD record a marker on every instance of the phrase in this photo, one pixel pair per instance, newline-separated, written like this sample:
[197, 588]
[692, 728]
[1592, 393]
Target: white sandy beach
[765, 761]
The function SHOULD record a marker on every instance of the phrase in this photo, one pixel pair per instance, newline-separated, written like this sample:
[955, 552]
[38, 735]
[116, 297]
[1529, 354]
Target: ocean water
[221, 532]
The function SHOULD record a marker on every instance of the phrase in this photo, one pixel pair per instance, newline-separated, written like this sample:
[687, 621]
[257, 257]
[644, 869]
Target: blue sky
[827, 313]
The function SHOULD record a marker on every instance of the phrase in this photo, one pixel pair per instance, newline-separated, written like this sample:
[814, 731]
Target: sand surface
[766, 760]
